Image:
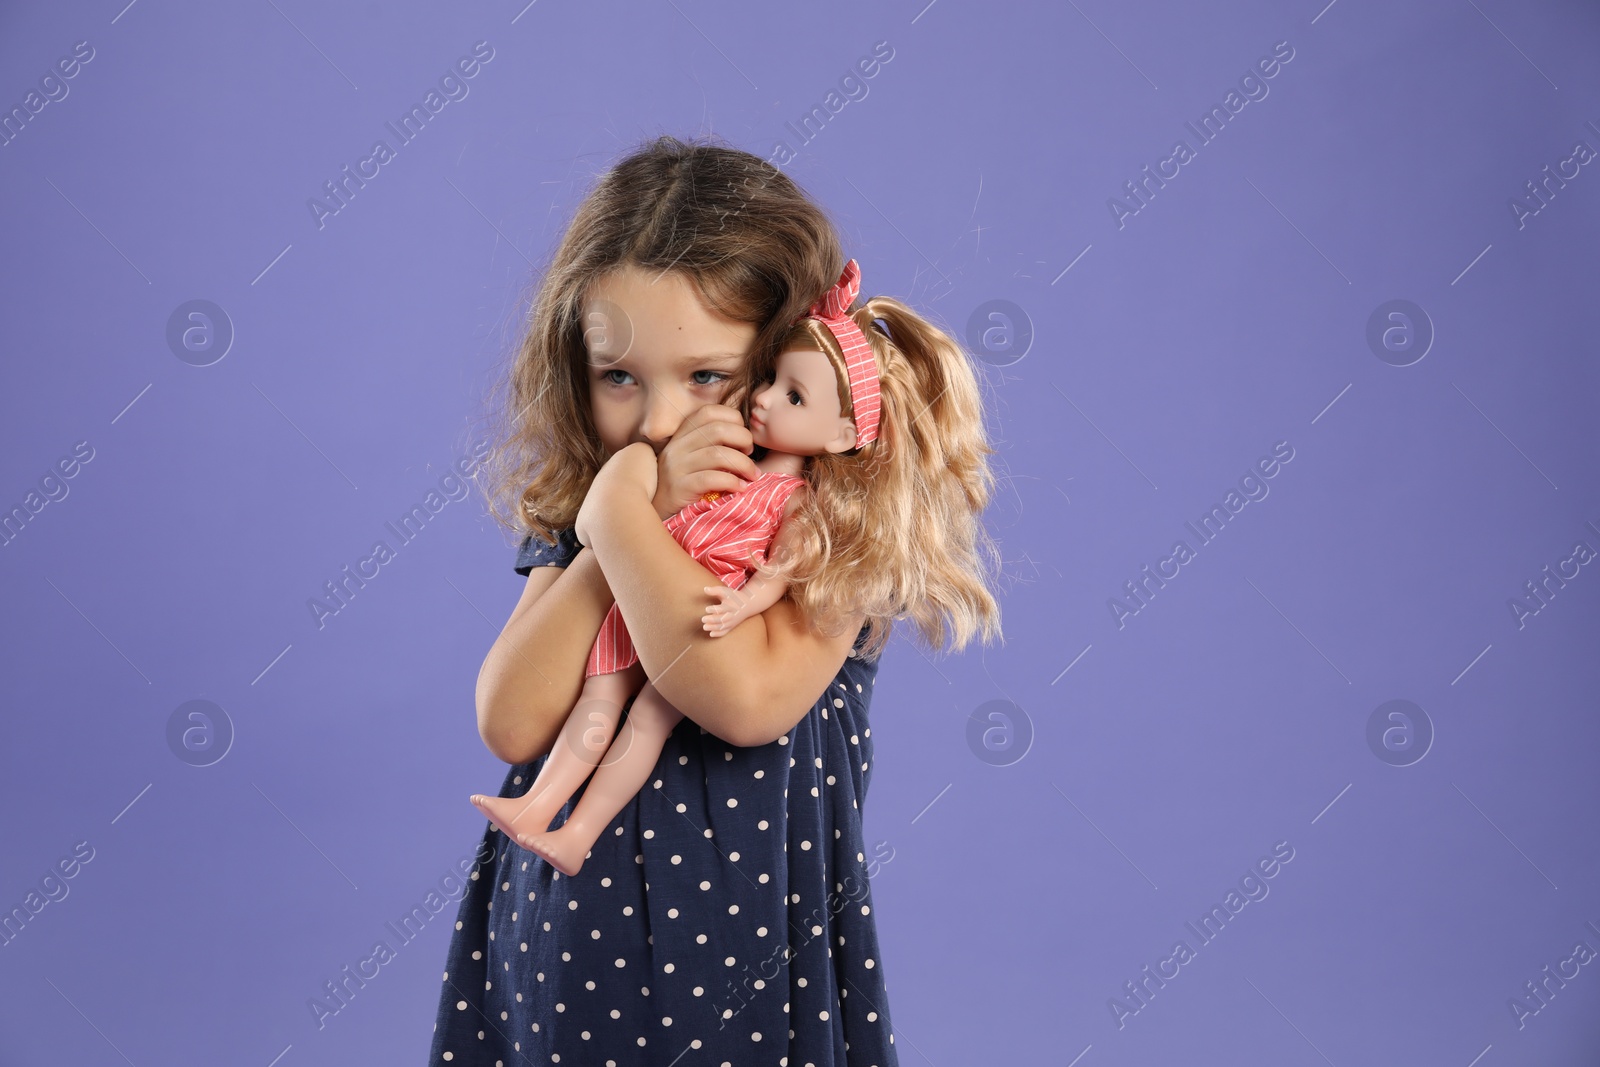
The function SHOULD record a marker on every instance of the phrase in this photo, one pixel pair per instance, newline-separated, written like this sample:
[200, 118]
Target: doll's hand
[726, 611]
[710, 453]
[631, 470]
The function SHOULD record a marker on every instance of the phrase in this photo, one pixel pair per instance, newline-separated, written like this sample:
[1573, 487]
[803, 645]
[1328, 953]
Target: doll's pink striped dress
[725, 535]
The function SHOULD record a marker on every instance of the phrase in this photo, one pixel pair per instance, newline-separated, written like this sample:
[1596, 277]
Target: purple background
[1229, 313]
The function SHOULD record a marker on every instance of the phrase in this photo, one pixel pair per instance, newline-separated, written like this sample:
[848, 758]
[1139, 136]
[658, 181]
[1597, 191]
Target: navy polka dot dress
[724, 918]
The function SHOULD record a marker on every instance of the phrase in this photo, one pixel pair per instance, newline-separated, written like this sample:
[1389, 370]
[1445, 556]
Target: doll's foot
[560, 849]
[513, 815]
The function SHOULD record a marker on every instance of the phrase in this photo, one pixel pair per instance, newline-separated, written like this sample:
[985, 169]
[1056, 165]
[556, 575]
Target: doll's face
[798, 411]
[655, 355]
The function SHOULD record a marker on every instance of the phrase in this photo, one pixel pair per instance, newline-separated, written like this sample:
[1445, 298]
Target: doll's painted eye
[796, 399]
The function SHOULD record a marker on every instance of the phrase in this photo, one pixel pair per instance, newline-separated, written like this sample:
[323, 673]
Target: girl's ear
[845, 439]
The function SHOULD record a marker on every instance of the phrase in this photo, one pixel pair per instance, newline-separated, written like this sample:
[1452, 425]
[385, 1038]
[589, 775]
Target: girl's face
[655, 354]
[798, 411]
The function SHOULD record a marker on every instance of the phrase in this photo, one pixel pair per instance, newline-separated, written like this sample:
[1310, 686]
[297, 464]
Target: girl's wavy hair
[755, 248]
[892, 530]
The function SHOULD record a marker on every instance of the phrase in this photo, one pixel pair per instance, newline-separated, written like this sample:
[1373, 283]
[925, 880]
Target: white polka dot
[756, 1036]
[669, 968]
[762, 825]
[761, 931]
[733, 802]
[733, 909]
[705, 885]
[805, 846]
[477, 954]
[621, 962]
[734, 856]
[648, 834]
[869, 964]
[677, 859]
[822, 1015]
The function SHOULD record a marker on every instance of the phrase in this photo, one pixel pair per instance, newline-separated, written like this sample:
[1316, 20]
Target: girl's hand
[632, 470]
[710, 453]
[729, 607]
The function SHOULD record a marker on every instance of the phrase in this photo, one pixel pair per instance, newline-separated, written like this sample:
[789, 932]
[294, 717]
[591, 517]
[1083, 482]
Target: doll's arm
[730, 607]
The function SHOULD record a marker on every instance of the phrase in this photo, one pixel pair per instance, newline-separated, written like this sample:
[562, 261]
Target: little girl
[724, 916]
[824, 399]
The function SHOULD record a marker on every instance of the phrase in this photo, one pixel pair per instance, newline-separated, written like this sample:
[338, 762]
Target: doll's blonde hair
[893, 529]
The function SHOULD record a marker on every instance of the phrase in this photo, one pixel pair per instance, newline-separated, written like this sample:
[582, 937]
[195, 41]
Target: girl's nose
[661, 421]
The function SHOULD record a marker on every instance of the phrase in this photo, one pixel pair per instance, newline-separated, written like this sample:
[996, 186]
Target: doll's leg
[632, 757]
[583, 741]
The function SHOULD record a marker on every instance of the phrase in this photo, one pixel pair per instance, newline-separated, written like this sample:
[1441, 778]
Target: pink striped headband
[859, 363]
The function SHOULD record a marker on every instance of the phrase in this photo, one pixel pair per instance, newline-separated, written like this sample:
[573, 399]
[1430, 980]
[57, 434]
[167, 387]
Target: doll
[798, 415]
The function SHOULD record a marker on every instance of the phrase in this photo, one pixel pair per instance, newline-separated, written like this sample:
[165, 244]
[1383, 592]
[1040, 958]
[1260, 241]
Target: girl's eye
[617, 377]
[794, 398]
[714, 377]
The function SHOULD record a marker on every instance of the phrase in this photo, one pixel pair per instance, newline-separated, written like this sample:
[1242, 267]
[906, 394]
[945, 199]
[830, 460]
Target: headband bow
[860, 366]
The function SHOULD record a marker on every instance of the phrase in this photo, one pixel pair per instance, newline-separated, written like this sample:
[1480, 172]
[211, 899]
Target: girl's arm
[532, 676]
[750, 687]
